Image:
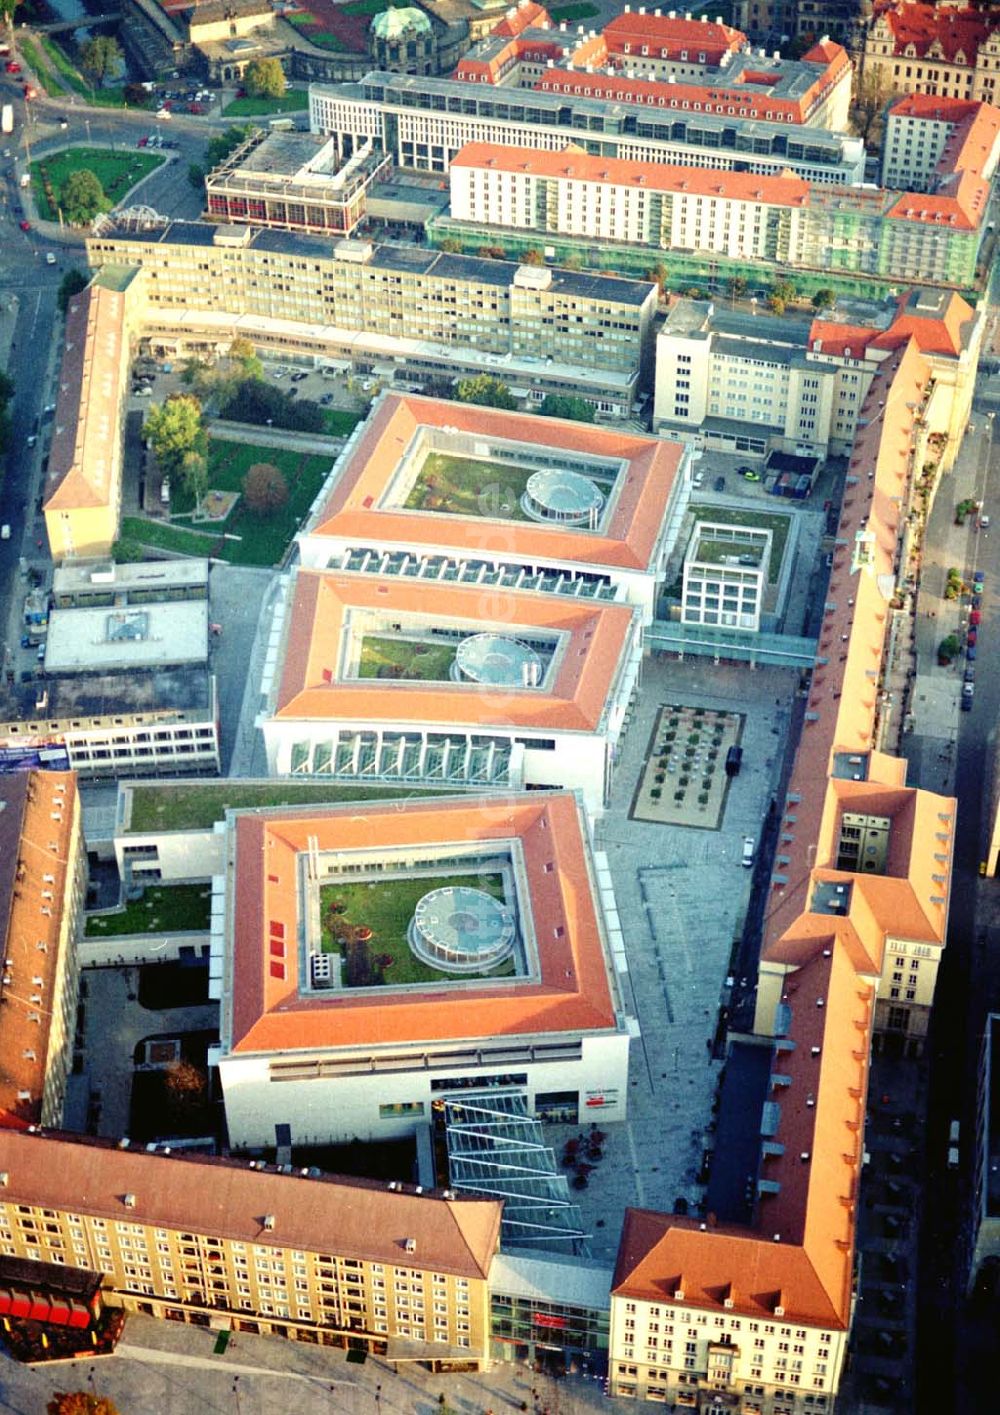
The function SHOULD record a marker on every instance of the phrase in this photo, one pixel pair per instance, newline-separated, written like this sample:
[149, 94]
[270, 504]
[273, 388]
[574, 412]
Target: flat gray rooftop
[81, 696]
[137, 636]
[95, 576]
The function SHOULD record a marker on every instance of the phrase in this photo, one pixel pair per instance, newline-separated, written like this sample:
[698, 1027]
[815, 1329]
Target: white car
[163, 114]
[49, 258]
[749, 851]
[5, 531]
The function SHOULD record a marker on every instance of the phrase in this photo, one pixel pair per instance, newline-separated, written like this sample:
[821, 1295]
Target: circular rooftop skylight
[497, 661]
[561, 496]
[460, 929]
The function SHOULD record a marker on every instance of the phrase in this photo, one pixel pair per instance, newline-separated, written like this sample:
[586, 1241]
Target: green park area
[426, 660]
[172, 908]
[117, 172]
[198, 805]
[295, 100]
[580, 11]
[469, 486]
[776, 522]
[366, 922]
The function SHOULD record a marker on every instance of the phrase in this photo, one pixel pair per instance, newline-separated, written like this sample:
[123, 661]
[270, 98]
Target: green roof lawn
[386, 906]
[469, 486]
[172, 908]
[402, 658]
[776, 522]
[198, 805]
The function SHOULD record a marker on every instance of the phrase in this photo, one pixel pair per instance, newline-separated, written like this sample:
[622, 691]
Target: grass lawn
[294, 101]
[775, 522]
[386, 906]
[339, 422]
[197, 806]
[117, 173]
[38, 65]
[468, 486]
[263, 539]
[174, 908]
[398, 658]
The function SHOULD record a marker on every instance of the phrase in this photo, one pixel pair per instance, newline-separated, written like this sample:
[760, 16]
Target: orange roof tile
[660, 32]
[353, 1218]
[573, 163]
[959, 33]
[355, 508]
[85, 438]
[947, 335]
[829, 337]
[39, 822]
[598, 641]
[574, 992]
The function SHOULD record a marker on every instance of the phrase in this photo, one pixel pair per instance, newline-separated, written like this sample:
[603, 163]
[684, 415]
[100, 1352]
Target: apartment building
[572, 193]
[612, 503]
[755, 1315]
[378, 678]
[422, 122]
[940, 51]
[753, 383]
[390, 309]
[234, 1246]
[504, 978]
[82, 490]
[43, 887]
[926, 139]
[295, 182]
[719, 224]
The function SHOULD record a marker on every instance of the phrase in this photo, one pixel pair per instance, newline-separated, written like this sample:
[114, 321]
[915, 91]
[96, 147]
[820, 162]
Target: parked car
[162, 114]
[25, 225]
[976, 616]
[984, 523]
[720, 483]
[298, 377]
[49, 258]
[326, 400]
[970, 674]
[749, 851]
[977, 582]
[749, 473]
[967, 697]
[12, 66]
[25, 642]
[977, 601]
[970, 653]
[972, 635]
[143, 142]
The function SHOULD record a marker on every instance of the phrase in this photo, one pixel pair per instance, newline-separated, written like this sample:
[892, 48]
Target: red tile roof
[351, 1218]
[525, 15]
[597, 641]
[90, 392]
[39, 829]
[572, 163]
[356, 509]
[660, 32]
[958, 33]
[946, 335]
[573, 993]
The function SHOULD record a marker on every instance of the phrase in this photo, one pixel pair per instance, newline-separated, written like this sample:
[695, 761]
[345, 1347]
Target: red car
[976, 616]
[971, 637]
[142, 142]
[25, 225]
[12, 66]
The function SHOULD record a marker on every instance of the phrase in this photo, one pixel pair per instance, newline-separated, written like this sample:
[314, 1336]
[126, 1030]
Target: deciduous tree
[264, 488]
[71, 284]
[556, 405]
[265, 78]
[81, 197]
[101, 57]
[175, 429]
[483, 388]
[80, 1402]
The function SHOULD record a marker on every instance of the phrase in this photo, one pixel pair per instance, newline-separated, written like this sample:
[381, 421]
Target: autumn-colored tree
[264, 488]
[184, 1081]
[80, 1402]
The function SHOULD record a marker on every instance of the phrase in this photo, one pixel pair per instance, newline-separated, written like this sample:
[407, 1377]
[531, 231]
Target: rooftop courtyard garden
[173, 908]
[197, 805]
[723, 552]
[426, 659]
[774, 521]
[366, 923]
[469, 486]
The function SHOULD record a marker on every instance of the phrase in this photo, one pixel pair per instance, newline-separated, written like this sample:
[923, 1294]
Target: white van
[749, 851]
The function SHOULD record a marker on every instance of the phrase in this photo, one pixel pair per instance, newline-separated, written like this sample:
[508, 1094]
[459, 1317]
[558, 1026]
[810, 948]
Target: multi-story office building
[82, 490]
[725, 575]
[753, 383]
[658, 60]
[139, 723]
[225, 1244]
[755, 1314]
[42, 899]
[928, 139]
[391, 308]
[384, 679]
[499, 971]
[940, 51]
[726, 223]
[975, 1144]
[294, 181]
[421, 123]
[607, 538]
